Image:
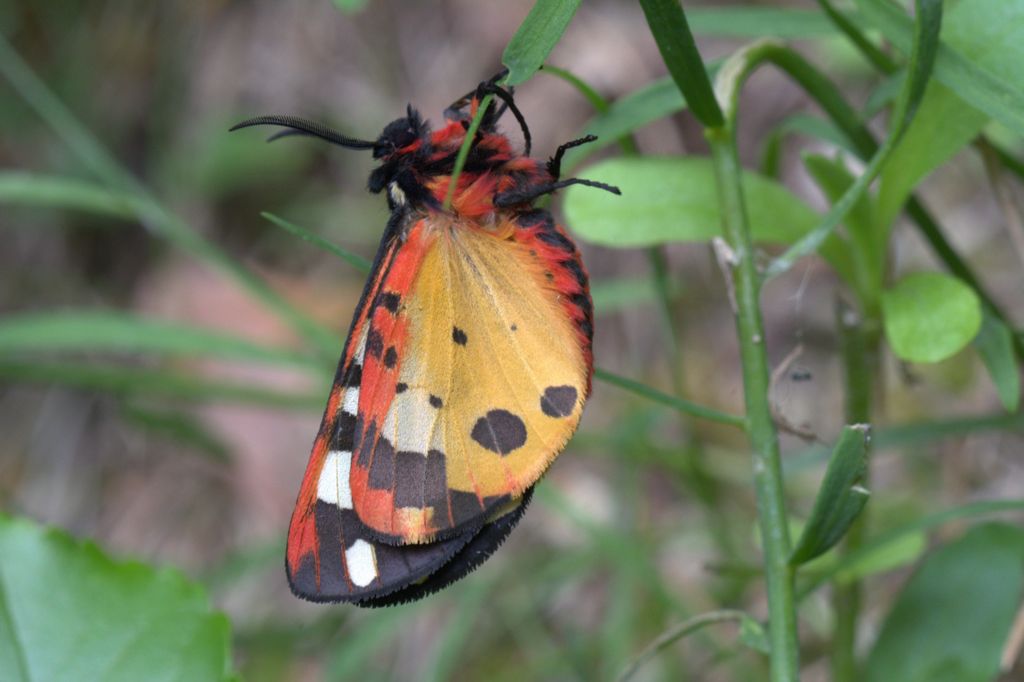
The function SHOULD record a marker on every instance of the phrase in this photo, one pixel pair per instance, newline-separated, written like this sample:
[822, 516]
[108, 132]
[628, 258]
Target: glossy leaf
[69, 612]
[955, 612]
[929, 316]
[536, 37]
[840, 498]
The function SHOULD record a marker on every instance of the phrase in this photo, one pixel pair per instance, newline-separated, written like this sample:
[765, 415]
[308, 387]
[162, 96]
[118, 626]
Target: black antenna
[506, 97]
[301, 126]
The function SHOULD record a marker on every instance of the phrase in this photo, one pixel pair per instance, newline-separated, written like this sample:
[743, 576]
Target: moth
[466, 367]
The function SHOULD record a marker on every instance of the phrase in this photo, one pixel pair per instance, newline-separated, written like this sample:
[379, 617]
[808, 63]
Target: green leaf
[667, 22]
[989, 33]
[922, 60]
[753, 635]
[982, 56]
[179, 427]
[536, 37]
[69, 612]
[46, 191]
[956, 610]
[874, 549]
[637, 109]
[898, 551]
[672, 199]
[995, 345]
[840, 498]
[76, 330]
[929, 316]
[758, 22]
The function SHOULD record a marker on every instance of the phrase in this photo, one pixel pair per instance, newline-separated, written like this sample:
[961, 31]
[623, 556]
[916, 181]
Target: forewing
[331, 555]
[492, 365]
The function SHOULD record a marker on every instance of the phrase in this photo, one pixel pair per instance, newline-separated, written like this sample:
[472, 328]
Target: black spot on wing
[390, 300]
[576, 270]
[344, 432]
[558, 401]
[435, 401]
[374, 343]
[499, 431]
[459, 336]
[401, 387]
[354, 376]
[422, 481]
[390, 357]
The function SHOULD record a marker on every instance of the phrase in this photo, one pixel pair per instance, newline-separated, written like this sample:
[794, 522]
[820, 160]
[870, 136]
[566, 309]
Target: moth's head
[399, 134]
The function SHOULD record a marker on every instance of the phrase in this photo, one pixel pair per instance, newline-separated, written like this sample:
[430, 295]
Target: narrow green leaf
[69, 612]
[675, 403]
[668, 25]
[922, 60]
[355, 260]
[536, 37]
[677, 632]
[855, 558]
[759, 22]
[929, 316]
[898, 552]
[627, 114]
[753, 635]
[128, 381]
[987, 75]
[995, 346]
[46, 191]
[955, 612]
[840, 498]
[672, 199]
[77, 330]
[467, 143]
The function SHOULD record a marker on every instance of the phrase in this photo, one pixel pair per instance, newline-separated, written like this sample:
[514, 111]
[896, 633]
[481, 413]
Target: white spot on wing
[411, 410]
[350, 403]
[362, 564]
[333, 485]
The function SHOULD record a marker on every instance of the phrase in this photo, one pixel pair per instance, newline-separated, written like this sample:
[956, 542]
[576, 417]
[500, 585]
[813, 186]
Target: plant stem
[859, 338]
[763, 437]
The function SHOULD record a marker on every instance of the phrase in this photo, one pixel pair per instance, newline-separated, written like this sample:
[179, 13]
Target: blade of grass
[151, 213]
[677, 632]
[678, 404]
[77, 330]
[47, 191]
[467, 143]
[128, 381]
[355, 260]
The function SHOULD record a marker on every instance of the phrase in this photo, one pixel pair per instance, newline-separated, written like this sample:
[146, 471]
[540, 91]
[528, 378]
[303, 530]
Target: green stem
[764, 439]
[467, 143]
[878, 59]
[679, 404]
[858, 343]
